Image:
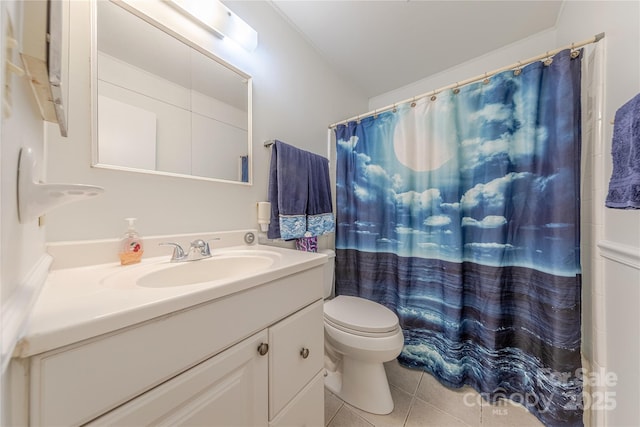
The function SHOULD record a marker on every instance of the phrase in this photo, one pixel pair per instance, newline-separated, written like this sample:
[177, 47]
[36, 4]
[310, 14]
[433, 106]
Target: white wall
[295, 96]
[510, 54]
[611, 238]
[21, 245]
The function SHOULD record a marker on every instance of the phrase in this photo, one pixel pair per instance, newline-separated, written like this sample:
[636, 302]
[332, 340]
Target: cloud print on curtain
[462, 215]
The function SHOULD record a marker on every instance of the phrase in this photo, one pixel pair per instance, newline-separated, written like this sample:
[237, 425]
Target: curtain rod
[517, 65]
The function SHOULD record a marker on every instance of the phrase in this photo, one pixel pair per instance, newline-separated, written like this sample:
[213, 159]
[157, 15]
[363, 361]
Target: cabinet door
[296, 355]
[229, 389]
[306, 409]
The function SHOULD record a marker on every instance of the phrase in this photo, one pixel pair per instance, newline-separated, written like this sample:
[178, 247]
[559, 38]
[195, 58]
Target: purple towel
[307, 244]
[624, 186]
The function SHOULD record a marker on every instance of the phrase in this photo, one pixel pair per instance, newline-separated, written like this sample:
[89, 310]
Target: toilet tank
[329, 268]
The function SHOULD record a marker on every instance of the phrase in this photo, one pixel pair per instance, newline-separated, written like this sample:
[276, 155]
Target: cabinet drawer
[229, 389]
[297, 354]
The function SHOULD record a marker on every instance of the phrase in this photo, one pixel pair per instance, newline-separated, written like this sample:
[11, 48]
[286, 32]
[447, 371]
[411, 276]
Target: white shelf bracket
[36, 199]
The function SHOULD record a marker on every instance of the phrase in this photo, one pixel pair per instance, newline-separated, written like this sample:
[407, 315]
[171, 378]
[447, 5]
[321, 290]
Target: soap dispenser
[131, 247]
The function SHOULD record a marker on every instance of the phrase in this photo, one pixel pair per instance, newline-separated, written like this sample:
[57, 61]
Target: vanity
[142, 345]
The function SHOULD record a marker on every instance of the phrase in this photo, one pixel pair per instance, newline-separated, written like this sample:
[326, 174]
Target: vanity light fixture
[217, 18]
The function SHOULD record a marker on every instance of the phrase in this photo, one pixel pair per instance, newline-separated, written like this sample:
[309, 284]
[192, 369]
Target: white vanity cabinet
[253, 357]
[228, 389]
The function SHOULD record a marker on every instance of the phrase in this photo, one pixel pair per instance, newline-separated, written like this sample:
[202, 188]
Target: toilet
[360, 335]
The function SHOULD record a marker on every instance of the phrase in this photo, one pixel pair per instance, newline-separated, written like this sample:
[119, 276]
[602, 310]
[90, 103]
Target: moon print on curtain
[462, 215]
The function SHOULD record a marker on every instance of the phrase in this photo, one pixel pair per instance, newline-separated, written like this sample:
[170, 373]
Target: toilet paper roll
[264, 212]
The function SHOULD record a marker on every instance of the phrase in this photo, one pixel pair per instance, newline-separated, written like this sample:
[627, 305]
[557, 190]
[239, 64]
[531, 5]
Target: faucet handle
[178, 252]
[201, 246]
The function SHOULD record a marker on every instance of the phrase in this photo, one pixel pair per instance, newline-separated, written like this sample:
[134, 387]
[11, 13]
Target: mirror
[164, 106]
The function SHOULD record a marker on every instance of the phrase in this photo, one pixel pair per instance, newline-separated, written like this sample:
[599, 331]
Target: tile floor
[421, 401]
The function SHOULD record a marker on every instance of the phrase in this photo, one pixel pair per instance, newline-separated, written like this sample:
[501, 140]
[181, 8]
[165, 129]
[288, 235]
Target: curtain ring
[456, 90]
[486, 79]
[395, 110]
[549, 60]
[518, 69]
[375, 113]
[358, 119]
[574, 52]
[413, 103]
[433, 96]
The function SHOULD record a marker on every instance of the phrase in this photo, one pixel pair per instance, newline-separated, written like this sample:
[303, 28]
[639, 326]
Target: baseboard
[17, 308]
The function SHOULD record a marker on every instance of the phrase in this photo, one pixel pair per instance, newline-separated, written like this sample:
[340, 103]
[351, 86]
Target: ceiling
[383, 45]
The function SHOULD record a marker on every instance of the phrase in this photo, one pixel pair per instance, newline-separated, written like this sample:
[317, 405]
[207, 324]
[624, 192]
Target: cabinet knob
[263, 349]
[304, 353]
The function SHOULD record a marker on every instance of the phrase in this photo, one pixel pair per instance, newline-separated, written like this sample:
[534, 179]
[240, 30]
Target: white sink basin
[222, 267]
[206, 270]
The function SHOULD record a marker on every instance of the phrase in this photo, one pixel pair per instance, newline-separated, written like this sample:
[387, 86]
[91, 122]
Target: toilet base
[361, 384]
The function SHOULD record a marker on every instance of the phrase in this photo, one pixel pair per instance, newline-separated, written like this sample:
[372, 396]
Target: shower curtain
[461, 213]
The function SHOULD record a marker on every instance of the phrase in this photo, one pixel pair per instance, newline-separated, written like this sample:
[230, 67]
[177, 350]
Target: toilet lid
[360, 314]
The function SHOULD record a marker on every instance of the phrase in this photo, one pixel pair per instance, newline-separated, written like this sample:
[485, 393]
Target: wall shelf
[36, 199]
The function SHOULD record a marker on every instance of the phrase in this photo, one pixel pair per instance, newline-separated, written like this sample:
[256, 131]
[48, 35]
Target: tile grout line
[326, 423]
[406, 418]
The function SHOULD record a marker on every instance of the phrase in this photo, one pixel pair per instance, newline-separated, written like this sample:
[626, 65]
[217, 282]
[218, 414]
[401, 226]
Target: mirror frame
[94, 94]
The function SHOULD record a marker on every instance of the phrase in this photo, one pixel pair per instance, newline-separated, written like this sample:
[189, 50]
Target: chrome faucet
[199, 249]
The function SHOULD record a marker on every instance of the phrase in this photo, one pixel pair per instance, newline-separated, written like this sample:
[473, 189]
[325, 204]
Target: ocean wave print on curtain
[462, 215]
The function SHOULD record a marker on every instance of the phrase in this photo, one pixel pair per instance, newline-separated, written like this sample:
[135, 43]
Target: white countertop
[78, 303]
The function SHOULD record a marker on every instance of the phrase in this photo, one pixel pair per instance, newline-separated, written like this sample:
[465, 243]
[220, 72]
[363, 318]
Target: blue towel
[244, 168]
[624, 186]
[300, 194]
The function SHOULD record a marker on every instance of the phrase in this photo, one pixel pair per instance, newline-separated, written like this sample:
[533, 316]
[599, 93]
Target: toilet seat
[360, 316]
